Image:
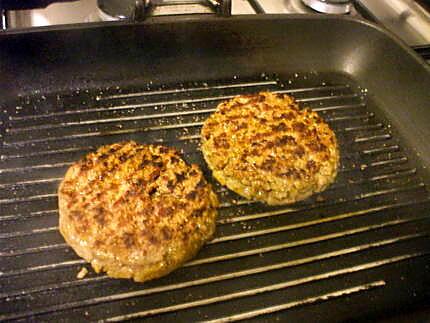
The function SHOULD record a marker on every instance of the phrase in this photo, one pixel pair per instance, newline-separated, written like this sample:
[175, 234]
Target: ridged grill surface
[354, 242]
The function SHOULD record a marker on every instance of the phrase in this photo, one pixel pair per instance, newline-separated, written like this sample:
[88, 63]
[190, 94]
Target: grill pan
[359, 250]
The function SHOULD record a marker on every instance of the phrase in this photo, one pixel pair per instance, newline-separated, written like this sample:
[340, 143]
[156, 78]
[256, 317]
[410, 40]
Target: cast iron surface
[358, 250]
[356, 240]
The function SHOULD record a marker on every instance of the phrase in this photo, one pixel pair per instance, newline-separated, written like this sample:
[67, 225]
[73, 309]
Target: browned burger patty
[136, 211]
[265, 147]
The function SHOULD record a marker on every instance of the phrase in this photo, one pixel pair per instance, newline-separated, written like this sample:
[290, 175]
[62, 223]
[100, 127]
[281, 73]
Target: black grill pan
[359, 250]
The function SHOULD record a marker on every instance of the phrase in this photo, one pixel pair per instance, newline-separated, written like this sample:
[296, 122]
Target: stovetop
[408, 19]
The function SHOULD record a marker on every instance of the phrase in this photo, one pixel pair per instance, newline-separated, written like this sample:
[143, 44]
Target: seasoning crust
[136, 211]
[264, 147]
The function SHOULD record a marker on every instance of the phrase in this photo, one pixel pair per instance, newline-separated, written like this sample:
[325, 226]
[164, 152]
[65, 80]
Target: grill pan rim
[198, 18]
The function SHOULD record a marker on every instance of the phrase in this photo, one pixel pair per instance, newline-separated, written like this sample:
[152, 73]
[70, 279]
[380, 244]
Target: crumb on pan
[82, 273]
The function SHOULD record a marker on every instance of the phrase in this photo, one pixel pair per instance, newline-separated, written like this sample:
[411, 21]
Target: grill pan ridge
[351, 241]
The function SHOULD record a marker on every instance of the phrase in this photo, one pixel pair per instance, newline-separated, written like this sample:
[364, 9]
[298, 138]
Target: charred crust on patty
[128, 239]
[283, 154]
[125, 209]
[99, 215]
[280, 127]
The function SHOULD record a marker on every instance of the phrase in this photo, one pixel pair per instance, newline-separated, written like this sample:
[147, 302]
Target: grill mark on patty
[128, 239]
[116, 155]
[312, 166]
[174, 160]
[299, 127]
[154, 175]
[233, 106]
[64, 189]
[241, 125]
[268, 164]
[180, 178]
[163, 150]
[76, 215]
[259, 136]
[191, 195]
[154, 240]
[197, 213]
[124, 157]
[221, 142]
[285, 140]
[99, 216]
[267, 144]
[201, 183]
[116, 147]
[133, 191]
[281, 127]
[152, 191]
[165, 211]
[316, 146]
[166, 233]
[299, 151]
[292, 173]
[170, 185]
[85, 164]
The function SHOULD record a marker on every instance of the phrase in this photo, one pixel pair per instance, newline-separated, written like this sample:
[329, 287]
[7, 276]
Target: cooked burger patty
[265, 147]
[136, 211]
